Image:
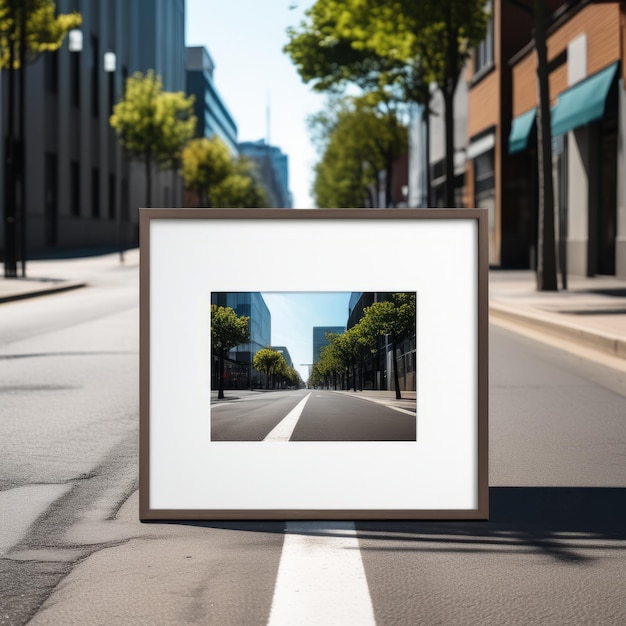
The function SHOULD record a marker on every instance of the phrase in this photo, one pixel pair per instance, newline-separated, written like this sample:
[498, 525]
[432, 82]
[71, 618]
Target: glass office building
[239, 372]
[319, 338]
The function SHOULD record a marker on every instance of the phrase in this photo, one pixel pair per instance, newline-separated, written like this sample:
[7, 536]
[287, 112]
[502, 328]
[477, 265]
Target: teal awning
[521, 128]
[583, 103]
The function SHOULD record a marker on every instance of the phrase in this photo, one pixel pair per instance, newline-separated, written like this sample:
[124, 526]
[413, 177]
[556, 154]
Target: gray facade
[214, 119]
[274, 169]
[319, 338]
[82, 192]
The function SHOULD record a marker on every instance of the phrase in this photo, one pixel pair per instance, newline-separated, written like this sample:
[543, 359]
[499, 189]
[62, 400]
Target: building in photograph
[81, 191]
[319, 338]
[239, 372]
[273, 167]
[283, 350]
[214, 118]
[377, 367]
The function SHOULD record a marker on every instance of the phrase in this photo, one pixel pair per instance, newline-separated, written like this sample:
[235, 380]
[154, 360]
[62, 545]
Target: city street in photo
[313, 366]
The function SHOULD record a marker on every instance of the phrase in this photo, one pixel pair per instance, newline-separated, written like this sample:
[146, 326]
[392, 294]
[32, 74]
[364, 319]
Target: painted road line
[321, 579]
[284, 429]
[382, 403]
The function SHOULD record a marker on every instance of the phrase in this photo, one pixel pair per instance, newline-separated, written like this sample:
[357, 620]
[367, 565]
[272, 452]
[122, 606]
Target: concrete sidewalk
[591, 313]
[49, 276]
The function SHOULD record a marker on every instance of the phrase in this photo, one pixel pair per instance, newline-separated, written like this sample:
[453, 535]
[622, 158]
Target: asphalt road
[73, 552]
[325, 416]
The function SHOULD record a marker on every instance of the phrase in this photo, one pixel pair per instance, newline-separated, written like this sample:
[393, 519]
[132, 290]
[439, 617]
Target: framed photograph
[313, 364]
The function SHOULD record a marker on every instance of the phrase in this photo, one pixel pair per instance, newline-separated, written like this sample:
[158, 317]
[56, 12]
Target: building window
[75, 78]
[75, 188]
[95, 75]
[111, 196]
[483, 53]
[95, 192]
[51, 71]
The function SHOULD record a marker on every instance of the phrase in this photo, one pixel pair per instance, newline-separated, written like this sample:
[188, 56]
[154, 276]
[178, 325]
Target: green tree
[242, 188]
[394, 317]
[227, 331]
[27, 29]
[153, 125]
[270, 362]
[432, 38]
[358, 138]
[204, 164]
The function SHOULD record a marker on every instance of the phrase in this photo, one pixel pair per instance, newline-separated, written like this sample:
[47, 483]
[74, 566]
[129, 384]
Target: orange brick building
[586, 55]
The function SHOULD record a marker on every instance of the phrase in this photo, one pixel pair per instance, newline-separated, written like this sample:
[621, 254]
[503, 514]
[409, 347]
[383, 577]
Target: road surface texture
[310, 415]
[73, 552]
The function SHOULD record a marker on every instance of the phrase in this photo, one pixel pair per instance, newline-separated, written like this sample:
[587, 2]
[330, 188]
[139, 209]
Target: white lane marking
[381, 402]
[284, 429]
[321, 579]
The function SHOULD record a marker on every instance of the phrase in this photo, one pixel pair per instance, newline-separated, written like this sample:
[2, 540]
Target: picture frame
[190, 258]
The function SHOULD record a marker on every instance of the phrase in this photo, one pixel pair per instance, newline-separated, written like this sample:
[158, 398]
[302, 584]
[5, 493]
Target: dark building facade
[239, 372]
[81, 189]
[214, 118]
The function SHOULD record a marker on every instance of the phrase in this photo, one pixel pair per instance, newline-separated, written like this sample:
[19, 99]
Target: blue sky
[245, 39]
[295, 313]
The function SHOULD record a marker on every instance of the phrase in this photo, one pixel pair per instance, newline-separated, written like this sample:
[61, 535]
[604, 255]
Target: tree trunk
[546, 247]
[354, 385]
[451, 79]
[220, 384]
[22, 141]
[388, 183]
[427, 200]
[396, 380]
[10, 230]
[148, 179]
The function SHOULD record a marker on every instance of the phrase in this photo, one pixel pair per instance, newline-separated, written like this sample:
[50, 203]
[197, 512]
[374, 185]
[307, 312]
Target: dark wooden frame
[146, 513]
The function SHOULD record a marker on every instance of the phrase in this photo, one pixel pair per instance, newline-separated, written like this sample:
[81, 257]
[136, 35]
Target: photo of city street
[313, 366]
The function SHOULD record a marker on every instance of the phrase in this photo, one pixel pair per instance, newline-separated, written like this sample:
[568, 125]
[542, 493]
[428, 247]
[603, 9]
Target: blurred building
[283, 350]
[81, 190]
[273, 166]
[495, 136]
[214, 119]
[319, 338]
[239, 372]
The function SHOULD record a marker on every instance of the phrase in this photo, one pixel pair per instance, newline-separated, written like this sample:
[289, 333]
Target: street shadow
[559, 522]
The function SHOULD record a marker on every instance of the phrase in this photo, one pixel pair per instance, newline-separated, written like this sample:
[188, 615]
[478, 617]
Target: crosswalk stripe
[321, 579]
[284, 429]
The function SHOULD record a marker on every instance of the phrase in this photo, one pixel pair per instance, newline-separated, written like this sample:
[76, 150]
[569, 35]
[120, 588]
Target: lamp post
[110, 65]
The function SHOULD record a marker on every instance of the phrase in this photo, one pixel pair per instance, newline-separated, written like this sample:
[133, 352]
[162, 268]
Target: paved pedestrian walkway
[591, 312]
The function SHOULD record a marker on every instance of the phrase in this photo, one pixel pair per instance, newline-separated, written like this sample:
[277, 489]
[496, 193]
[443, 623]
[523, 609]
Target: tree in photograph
[227, 331]
[270, 362]
[204, 164]
[153, 125]
[28, 28]
[328, 367]
[396, 318]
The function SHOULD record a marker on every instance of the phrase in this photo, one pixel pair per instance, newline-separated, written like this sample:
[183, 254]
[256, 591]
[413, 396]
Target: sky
[245, 40]
[295, 313]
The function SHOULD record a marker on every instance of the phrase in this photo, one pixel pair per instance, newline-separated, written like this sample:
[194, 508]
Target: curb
[597, 340]
[44, 291]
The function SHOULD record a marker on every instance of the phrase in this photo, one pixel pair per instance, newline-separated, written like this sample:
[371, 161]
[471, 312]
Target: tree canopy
[227, 331]
[153, 125]
[358, 139]
[430, 40]
[45, 29]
